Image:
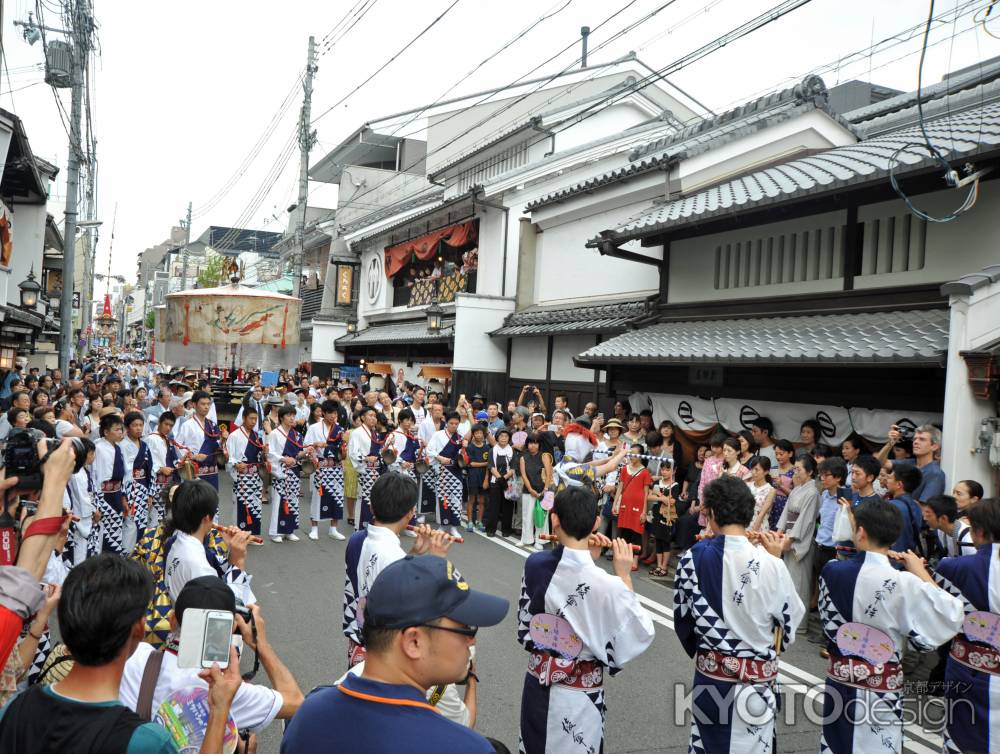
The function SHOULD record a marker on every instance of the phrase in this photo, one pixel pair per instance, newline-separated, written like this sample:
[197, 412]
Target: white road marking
[793, 678]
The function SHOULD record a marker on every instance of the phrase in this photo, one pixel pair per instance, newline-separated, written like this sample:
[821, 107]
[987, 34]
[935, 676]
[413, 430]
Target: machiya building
[415, 232]
[761, 263]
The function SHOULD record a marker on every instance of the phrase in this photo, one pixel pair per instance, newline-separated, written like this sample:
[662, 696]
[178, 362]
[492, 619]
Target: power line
[541, 84]
[361, 14]
[382, 67]
[950, 175]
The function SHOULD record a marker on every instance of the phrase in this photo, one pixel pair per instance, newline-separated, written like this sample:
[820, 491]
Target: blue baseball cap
[480, 415]
[422, 588]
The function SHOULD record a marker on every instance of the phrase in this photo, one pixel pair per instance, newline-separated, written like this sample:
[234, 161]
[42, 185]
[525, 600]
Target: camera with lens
[21, 459]
[906, 431]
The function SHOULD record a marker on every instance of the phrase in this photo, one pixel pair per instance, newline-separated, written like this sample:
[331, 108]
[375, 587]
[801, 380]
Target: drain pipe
[584, 33]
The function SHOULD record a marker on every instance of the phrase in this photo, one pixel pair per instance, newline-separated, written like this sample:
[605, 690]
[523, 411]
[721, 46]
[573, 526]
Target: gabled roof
[756, 115]
[599, 318]
[541, 122]
[972, 76]
[964, 133]
[418, 201]
[874, 338]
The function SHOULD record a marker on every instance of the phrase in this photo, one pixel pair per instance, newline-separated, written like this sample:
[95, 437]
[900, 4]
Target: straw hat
[613, 423]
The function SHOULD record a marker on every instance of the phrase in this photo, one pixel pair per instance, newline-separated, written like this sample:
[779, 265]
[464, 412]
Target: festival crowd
[865, 549]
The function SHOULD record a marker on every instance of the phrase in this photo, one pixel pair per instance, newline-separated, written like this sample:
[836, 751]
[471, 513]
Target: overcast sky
[184, 89]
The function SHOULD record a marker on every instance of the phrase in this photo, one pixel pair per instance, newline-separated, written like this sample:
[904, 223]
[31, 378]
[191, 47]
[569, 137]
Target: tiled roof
[898, 337]
[967, 284]
[710, 133]
[601, 318]
[972, 77]
[957, 135]
[412, 331]
[411, 202]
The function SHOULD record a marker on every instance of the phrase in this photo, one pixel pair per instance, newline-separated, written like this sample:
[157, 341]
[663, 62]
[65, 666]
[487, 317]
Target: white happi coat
[613, 627]
[912, 612]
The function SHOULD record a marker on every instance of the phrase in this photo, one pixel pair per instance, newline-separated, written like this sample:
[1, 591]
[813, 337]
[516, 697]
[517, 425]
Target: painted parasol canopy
[232, 314]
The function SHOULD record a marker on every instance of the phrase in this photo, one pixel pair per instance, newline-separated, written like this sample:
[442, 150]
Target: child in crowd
[479, 459]
[661, 516]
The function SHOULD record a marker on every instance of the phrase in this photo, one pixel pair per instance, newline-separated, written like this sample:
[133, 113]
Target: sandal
[657, 573]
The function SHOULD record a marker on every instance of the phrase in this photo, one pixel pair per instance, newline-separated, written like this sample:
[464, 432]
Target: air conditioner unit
[59, 64]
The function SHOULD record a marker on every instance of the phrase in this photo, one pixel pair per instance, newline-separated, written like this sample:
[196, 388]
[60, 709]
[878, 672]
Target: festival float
[230, 328]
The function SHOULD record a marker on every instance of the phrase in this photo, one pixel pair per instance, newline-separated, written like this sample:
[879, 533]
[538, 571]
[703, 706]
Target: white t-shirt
[254, 706]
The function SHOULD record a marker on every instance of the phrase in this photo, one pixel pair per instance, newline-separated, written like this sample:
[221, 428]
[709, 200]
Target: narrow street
[300, 587]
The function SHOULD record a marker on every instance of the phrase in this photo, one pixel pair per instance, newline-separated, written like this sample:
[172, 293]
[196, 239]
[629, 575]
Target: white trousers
[528, 531]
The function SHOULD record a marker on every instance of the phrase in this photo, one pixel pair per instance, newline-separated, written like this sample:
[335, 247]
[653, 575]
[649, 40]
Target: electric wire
[950, 175]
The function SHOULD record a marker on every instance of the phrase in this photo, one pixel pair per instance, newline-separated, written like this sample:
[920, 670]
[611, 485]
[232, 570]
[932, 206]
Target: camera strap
[44, 526]
[150, 674]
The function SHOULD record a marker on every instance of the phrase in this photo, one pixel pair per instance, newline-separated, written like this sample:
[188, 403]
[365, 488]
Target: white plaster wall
[812, 130]
[475, 317]
[491, 245]
[565, 269]
[28, 239]
[323, 336]
[953, 249]
[527, 358]
[692, 263]
[564, 348]
[975, 325]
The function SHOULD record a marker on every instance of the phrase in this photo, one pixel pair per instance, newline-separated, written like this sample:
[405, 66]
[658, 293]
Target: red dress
[631, 511]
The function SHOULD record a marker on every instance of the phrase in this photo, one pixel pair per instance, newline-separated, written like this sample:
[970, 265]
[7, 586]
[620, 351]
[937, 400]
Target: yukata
[449, 478]
[201, 437]
[328, 481]
[139, 472]
[562, 702]
[84, 535]
[369, 552]
[972, 675]
[151, 552]
[164, 455]
[798, 522]
[117, 529]
[186, 558]
[729, 597]
[365, 443]
[407, 448]
[286, 486]
[248, 487]
[864, 602]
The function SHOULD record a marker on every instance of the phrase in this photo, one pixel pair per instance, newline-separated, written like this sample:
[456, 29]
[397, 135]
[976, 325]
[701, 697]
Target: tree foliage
[211, 273]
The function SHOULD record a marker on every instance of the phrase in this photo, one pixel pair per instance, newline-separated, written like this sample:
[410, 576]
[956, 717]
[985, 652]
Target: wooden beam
[548, 373]
[851, 246]
[665, 274]
[607, 250]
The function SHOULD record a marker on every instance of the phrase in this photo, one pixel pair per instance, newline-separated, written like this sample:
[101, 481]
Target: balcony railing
[422, 292]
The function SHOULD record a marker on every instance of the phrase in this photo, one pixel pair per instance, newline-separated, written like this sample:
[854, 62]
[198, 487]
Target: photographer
[926, 449]
[254, 706]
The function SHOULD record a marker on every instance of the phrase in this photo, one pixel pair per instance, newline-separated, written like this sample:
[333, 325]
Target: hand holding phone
[206, 636]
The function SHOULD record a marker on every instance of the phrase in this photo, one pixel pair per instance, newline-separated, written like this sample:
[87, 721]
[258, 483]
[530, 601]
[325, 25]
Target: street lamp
[29, 290]
[352, 324]
[434, 314]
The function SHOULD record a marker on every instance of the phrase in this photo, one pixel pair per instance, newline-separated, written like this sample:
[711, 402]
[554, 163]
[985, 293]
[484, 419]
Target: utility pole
[187, 242]
[307, 139]
[79, 33]
[87, 294]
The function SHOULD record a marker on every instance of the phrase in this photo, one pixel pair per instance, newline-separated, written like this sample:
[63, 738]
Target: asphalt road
[300, 587]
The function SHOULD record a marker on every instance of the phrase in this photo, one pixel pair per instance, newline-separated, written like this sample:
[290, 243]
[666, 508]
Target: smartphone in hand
[206, 636]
